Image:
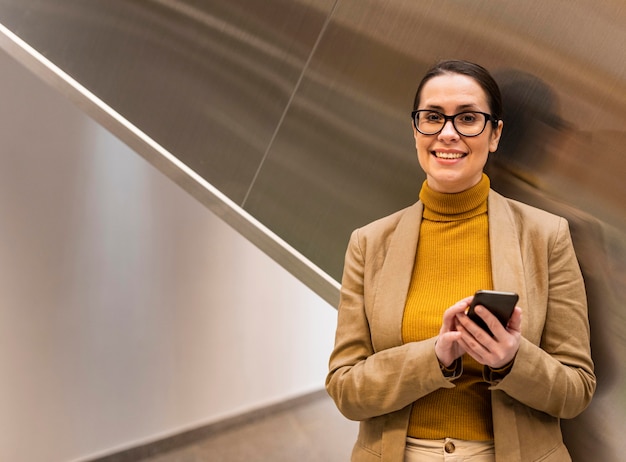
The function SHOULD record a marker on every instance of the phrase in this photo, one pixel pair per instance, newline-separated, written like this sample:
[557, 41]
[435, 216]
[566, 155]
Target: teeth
[449, 155]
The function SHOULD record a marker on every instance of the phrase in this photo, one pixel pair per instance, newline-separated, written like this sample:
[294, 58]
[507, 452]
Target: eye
[434, 117]
[470, 119]
[467, 118]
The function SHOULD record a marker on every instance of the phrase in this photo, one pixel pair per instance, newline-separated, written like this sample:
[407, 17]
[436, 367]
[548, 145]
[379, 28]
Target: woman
[426, 382]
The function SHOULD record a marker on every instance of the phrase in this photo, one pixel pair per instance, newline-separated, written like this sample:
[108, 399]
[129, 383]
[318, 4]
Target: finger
[472, 334]
[473, 349]
[459, 307]
[449, 338]
[494, 324]
[449, 315]
[515, 323]
[472, 328]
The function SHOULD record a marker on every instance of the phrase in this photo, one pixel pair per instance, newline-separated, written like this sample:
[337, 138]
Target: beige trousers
[448, 450]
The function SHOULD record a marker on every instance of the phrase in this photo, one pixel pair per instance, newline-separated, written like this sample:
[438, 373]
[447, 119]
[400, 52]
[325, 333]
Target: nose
[448, 130]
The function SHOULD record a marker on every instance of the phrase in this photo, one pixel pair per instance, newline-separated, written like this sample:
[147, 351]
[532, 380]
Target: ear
[496, 133]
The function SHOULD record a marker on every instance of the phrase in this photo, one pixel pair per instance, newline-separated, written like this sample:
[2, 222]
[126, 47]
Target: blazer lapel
[394, 280]
[504, 242]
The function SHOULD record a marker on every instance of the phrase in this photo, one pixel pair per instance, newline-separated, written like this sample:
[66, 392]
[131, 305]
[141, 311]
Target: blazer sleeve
[556, 377]
[365, 383]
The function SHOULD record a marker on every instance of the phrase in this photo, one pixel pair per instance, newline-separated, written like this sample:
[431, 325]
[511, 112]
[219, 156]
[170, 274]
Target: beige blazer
[374, 378]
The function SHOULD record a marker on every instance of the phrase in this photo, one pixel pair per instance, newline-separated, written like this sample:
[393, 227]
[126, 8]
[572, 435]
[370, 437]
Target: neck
[446, 206]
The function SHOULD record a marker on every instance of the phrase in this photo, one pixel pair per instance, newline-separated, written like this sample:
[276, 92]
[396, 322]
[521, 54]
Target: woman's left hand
[497, 351]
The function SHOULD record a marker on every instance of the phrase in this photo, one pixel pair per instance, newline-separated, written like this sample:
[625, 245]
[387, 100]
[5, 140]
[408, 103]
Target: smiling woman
[423, 379]
[453, 162]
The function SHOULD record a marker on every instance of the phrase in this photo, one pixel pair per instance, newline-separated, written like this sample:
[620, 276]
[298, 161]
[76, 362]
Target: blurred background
[186, 174]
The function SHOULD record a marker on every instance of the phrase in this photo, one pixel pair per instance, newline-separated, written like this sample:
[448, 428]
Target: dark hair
[476, 72]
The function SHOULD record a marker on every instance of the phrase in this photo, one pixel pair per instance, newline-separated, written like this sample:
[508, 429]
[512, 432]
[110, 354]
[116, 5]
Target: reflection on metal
[290, 119]
[211, 197]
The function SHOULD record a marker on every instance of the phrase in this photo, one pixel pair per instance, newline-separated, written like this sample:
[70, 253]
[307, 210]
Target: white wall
[128, 311]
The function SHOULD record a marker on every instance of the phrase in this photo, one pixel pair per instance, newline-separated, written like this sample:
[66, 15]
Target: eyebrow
[462, 107]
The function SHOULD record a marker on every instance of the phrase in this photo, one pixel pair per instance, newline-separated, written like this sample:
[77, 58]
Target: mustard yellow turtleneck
[452, 262]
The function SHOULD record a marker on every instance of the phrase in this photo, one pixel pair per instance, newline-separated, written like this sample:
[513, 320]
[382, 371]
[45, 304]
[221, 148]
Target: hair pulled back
[472, 70]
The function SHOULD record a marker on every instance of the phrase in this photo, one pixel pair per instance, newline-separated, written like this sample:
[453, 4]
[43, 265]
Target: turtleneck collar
[455, 206]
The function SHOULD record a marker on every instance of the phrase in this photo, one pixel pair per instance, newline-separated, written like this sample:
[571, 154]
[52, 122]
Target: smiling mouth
[449, 155]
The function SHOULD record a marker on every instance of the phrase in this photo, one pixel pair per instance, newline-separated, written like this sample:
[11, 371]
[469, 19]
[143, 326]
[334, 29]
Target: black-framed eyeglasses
[467, 123]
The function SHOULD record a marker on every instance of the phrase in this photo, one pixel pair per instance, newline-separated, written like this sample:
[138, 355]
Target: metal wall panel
[297, 111]
[344, 154]
[207, 80]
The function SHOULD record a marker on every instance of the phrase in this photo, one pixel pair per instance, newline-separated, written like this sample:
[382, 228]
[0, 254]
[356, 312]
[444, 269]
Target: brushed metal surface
[261, 236]
[206, 80]
[344, 154]
[297, 112]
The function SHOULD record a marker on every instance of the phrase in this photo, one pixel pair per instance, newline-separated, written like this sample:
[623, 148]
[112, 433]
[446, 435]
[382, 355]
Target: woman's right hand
[447, 347]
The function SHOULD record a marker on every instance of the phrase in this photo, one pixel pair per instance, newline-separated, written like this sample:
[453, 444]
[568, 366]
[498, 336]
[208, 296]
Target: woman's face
[452, 162]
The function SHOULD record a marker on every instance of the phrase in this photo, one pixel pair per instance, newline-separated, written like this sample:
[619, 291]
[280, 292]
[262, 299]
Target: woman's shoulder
[383, 226]
[378, 235]
[523, 214]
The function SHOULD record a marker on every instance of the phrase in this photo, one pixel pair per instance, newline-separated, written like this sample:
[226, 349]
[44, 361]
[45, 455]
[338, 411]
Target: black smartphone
[501, 304]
